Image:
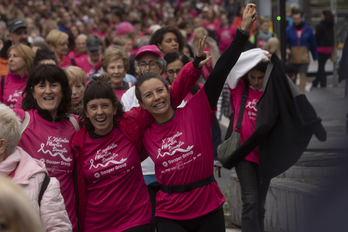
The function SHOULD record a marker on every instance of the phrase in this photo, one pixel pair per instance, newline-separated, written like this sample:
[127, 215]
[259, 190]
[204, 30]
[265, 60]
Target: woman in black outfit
[325, 41]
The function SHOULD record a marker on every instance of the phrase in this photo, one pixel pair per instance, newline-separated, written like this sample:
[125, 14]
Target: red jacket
[132, 124]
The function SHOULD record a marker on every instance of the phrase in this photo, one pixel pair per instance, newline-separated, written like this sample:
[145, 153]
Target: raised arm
[218, 76]
[188, 76]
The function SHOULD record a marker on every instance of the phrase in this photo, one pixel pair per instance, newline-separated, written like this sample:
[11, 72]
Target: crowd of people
[109, 109]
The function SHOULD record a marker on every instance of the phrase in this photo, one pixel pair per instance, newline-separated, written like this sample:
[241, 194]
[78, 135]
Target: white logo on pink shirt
[105, 155]
[57, 144]
[173, 146]
[13, 97]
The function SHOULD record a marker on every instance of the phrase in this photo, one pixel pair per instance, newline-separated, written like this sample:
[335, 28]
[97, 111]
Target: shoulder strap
[25, 122]
[43, 188]
[74, 122]
[73, 63]
[97, 69]
[2, 85]
[242, 106]
[129, 84]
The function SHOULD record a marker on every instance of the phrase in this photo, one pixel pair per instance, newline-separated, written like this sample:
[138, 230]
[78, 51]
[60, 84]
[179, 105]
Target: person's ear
[3, 146]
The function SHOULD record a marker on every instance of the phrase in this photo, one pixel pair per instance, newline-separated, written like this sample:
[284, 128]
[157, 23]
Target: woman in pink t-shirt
[59, 43]
[20, 59]
[115, 63]
[112, 194]
[211, 20]
[179, 143]
[253, 191]
[49, 131]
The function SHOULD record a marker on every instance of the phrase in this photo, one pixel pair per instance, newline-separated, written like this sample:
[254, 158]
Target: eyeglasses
[171, 72]
[152, 64]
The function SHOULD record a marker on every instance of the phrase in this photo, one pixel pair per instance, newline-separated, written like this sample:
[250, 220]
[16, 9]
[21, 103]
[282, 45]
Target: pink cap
[124, 28]
[148, 49]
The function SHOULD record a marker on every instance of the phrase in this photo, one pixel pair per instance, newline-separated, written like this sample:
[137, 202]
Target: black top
[325, 34]
[225, 63]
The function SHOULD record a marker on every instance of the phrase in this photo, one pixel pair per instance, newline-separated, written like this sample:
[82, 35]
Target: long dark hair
[99, 88]
[328, 16]
[174, 56]
[52, 73]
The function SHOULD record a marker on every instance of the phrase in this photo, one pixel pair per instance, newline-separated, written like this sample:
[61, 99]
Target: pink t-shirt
[49, 142]
[13, 89]
[101, 34]
[261, 43]
[65, 62]
[182, 151]
[121, 90]
[189, 96]
[117, 196]
[82, 62]
[225, 36]
[249, 117]
[212, 26]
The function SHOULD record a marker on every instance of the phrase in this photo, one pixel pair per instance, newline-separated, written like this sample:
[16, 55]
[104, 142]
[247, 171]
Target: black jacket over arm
[284, 126]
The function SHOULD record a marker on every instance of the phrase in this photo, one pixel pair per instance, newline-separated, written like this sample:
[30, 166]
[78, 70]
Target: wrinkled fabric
[30, 174]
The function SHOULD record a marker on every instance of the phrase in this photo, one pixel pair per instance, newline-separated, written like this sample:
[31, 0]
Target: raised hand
[201, 53]
[249, 17]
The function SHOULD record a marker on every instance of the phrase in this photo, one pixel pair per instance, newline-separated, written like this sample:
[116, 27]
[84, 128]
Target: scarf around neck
[265, 37]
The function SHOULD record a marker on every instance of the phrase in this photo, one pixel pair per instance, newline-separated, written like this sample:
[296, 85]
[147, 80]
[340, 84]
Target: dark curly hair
[158, 36]
[99, 88]
[145, 77]
[52, 73]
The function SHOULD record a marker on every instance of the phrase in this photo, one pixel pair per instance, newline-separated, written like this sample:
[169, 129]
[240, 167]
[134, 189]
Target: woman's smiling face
[48, 96]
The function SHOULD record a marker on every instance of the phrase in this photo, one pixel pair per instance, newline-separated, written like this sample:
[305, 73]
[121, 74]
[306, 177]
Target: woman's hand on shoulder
[203, 54]
[249, 17]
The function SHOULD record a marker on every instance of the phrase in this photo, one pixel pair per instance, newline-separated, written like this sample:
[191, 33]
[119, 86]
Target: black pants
[253, 196]
[321, 74]
[142, 228]
[213, 221]
[153, 189]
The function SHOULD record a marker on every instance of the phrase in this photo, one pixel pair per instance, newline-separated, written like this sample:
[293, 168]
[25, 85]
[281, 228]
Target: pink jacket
[29, 174]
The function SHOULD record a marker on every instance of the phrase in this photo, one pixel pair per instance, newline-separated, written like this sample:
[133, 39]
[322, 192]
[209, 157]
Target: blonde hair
[273, 47]
[113, 55]
[199, 33]
[76, 74]
[119, 41]
[56, 37]
[17, 208]
[25, 52]
[10, 128]
[262, 20]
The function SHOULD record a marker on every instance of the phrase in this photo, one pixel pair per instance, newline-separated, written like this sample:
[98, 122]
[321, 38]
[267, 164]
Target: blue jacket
[307, 39]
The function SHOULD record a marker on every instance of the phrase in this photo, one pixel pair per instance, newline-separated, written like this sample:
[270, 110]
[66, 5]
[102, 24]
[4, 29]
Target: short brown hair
[113, 55]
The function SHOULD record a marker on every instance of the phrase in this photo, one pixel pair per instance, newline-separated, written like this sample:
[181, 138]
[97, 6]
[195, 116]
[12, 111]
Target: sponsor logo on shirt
[13, 98]
[104, 157]
[54, 147]
[251, 109]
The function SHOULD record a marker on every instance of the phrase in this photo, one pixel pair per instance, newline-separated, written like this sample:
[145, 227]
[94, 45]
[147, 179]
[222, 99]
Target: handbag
[225, 149]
